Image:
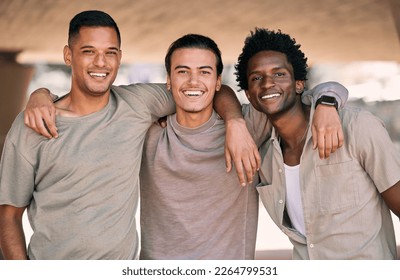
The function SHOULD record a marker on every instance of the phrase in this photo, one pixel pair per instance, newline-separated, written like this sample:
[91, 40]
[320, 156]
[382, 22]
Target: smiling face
[193, 82]
[272, 88]
[94, 57]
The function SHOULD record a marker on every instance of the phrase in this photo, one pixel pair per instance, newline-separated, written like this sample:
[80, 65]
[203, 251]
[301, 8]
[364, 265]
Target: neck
[193, 119]
[292, 128]
[78, 105]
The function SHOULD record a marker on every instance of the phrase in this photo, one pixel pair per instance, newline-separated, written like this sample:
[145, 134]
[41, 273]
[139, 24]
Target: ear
[247, 94]
[67, 55]
[120, 57]
[219, 83]
[300, 87]
[168, 82]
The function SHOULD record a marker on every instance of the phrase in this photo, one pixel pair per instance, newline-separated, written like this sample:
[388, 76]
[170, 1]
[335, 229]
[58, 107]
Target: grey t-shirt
[191, 208]
[82, 188]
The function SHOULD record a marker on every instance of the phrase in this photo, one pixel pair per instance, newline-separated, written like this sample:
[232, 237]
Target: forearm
[333, 89]
[227, 105]
[12, 237]
[45, 93]
[392, 198]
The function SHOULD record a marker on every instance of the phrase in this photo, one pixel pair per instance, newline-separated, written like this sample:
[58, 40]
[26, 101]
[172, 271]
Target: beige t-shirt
[82, 188]
[191, 208]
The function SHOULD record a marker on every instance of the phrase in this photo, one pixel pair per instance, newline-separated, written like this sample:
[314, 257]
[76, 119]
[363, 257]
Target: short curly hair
[266, 40]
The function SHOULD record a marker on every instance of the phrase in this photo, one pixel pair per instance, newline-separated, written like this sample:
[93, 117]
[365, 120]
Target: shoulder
[152, 96]
[22, 137]
[139, 88]
[18, 128]
[355, 117]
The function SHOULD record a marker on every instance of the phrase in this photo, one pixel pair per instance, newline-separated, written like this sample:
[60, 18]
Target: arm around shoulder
[239, 144]
[333, 89]
[40, 113]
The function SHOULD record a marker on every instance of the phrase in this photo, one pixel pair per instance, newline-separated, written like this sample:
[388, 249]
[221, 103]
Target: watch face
[328, 100]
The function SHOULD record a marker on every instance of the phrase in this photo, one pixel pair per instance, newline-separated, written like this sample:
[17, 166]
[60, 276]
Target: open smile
[270, 96]
[98, 75]
[193, 93]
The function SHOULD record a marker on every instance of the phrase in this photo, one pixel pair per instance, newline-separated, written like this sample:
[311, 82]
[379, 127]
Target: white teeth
[193, 93]
[269, 96]
[101, 75]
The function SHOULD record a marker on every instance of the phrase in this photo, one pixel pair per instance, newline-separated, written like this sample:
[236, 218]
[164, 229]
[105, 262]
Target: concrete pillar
[395, 8]
[14, 82]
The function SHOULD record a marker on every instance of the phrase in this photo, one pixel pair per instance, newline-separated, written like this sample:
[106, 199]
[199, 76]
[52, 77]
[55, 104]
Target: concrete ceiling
[328, 30]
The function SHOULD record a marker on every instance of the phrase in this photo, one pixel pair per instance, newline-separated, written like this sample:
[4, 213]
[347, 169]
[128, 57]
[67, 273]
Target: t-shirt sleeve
[333, 89]
[155, 97]
[376, 151]
[16, 176]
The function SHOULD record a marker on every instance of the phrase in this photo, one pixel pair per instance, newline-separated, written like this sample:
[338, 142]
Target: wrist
[234, 121]
[328, 101]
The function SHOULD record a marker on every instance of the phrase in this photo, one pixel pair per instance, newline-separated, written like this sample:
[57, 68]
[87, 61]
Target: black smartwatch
[327, 100]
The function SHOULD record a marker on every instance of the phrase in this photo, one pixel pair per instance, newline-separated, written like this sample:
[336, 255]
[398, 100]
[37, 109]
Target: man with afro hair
[330, 208]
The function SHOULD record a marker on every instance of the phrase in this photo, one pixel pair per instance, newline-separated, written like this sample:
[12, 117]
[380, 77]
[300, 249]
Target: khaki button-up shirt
[345, 215]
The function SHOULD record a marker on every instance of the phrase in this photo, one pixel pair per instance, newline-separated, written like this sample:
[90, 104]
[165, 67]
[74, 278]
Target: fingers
[247, 167]
[328, 143]
[257, 157]
[163, 122]
[340, 137]
[41, 122]
[48, 121]
[335, 142]
[240, 174]
[41, 119]
[228, 161]
[321, 144]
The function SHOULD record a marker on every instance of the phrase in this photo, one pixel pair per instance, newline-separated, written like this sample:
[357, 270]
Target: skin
[193, 82]
[269, 73]
[12, 237]
[94, 58]
[273, 91]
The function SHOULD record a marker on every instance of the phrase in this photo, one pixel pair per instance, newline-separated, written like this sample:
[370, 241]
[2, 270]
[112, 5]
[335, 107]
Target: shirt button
[280, 170]
[311, 245]
[280, 201]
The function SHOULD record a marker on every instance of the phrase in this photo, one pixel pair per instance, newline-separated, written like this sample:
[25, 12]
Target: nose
[193, 79]
[100, 60]
[268, 82]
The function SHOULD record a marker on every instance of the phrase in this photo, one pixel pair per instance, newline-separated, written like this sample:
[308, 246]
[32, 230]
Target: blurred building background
[356, 43]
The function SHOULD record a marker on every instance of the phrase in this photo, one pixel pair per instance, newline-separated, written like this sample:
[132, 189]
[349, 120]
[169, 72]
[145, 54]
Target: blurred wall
[14, 81]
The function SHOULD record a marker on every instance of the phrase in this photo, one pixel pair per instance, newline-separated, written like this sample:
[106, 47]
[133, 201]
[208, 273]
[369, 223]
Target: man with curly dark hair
[265, 40]
[334, 208]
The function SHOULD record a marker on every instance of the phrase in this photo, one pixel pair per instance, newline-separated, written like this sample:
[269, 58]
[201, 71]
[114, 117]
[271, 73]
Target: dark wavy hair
[194, 41]
[266, 40]
[91, 18]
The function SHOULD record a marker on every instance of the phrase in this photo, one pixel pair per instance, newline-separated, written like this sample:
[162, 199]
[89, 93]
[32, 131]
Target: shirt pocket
[337, 186]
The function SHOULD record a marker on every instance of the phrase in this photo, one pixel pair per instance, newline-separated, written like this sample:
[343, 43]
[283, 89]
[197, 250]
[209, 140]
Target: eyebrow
[92, 47]
[273, 69]
[187, 67]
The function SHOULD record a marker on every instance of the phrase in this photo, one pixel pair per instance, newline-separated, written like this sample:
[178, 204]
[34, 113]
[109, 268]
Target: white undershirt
[293, 197]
